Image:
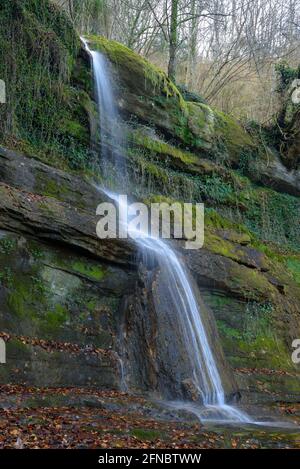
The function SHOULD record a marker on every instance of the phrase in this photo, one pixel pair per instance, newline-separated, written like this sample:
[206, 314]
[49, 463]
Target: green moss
[75, 130]
[25, 292]
[201, 123]
[266, 351]
[215, 220]
[161, 148]
[251, 282]
[51, 189]
[227, 331]
[232, 134]
[18, 299]
[220, 246]
[256, 343]
[57, 317]
[142, 70]
[293, 265]
[95, 272]
[91, 305]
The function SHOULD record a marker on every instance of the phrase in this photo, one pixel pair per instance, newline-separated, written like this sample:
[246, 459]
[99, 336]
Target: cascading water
[109, 119]
[206, 376]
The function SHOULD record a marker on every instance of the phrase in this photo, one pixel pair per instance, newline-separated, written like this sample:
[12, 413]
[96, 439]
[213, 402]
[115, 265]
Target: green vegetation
[7, 245]
[252, 231]
[232, 134]
[45, 113]
[6, 277]
[256, 343]
[93, 271]
[286, 75]
[159, 147]
[293, 265]
[57, 317]
[159, 168]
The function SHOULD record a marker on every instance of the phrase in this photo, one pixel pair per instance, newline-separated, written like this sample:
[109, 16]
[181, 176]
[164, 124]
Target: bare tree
[210, 45]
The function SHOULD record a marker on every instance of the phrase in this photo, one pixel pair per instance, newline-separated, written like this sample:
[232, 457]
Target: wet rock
[155, 353]
[190, 391]
[34, 176]
[52, 220]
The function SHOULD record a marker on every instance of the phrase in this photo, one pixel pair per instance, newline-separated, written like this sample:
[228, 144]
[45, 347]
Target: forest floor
[33, 417]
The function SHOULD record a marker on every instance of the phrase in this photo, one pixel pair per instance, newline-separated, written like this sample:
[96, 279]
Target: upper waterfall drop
[109, 121]
[185, 309]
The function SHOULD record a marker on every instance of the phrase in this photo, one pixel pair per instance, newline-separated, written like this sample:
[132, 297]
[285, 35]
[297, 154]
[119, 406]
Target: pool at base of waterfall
[234, 416]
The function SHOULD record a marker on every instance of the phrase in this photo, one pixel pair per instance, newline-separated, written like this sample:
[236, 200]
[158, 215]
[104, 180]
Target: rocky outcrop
[147, 95]
[273, 173]
[155, 354]
[49, 218]
[62, 285]
[65, 293]
[257, 312]
[59, 313]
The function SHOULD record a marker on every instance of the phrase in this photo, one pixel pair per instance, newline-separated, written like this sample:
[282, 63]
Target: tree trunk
[173, 41]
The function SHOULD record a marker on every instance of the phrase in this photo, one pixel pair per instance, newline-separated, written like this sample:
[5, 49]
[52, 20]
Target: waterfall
[111, 159]
[206, 376]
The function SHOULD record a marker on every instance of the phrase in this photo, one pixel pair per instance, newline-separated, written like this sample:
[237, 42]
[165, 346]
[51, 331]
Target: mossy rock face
[255, 343]
[248, 333]
[235, 139]
[254, 294]
[232, 249]
[260, 386]
[146, 95]
[169, 156]
[36, 177]
[158, 168]
[50, 293]
[144, 91]
[147, 78]
[201, 123]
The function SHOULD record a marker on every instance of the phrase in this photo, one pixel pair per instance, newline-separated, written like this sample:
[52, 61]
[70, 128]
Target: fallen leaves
[33, 417]
[52, 345]
[264, 371]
